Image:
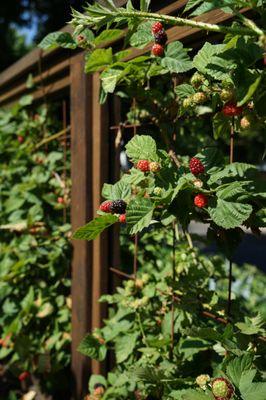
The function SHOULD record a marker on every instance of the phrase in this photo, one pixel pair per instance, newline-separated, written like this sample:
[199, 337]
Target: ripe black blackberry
[118, 207]
[161, 38]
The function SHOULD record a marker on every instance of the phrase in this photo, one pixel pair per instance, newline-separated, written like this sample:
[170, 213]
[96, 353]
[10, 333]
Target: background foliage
[35, 251]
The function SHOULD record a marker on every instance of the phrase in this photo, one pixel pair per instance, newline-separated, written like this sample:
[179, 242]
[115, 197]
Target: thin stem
[230, 278]
[91, 21]
[135, 264]
[121, 274]
[141, 328]
[52, 137]
[229, 301]
[232, 136]
[173, 296]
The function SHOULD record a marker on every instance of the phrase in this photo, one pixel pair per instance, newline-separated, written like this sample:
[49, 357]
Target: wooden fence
[59, 75]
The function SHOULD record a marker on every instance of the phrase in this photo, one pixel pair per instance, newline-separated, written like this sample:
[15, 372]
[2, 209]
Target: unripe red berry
[157, 50]
[232, 110]
[197, 80]
[143, 165]
[20, 139]
[157, 27]
[60, 200]
[105, 206]
[122, 218]
[196, 167]
[200, 200]
[23, 376]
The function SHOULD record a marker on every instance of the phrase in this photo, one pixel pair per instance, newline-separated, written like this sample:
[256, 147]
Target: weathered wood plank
[100, 165]
[81, 212]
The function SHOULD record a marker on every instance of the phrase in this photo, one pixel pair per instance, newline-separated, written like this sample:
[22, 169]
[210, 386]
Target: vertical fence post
[81, 212]
[100, 174]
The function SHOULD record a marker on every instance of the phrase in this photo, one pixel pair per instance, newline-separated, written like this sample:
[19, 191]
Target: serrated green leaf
[221, 126]
[110, 78]
[205, 56]
[237, 366]
[124, 346]
[108, 35]
[139, 214]
[232, 190]
[228, 214]
[142, 147]
[91, 347]
[191, 4]
[190, 394]
[95, 227]
[56, 39]
[236, 169]
[98, 59]
[120, 190]
[143, 36]
[185, 90]
[176, 59]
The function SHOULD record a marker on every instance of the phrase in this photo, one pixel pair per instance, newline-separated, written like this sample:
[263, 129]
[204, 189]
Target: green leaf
[56, 39]
[230, 214]
[66, 41]
[110, 78]
[95, 227]
[120, 190]
[240, 170]
[190, 394]
[237, 366]
[254, 391]
[91, 347]
[144, 5]
[185, 90]
[221, 126]
[124, 346]
[143, 36]
[96, 379]
[176, 59]
[191, 4]
[142, 147]
[205, 57]
[139, 214]
[98, 59]
[108, 35]
[232, 190]
[26, 100]
[248, 86]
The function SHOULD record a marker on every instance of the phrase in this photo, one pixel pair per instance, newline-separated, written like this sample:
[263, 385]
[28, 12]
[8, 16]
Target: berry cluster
[146, 166]
[160, 39]
[114, 207]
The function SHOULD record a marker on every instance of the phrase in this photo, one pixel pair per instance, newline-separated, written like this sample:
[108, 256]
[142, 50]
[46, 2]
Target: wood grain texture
[100, 170]
[81, 213]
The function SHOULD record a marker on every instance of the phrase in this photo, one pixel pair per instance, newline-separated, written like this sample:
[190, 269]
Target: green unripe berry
[202, 380]
[199, 98]
[157, 191]
[188, 102]
[226, 84]
[227, 94]
[197, 80]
